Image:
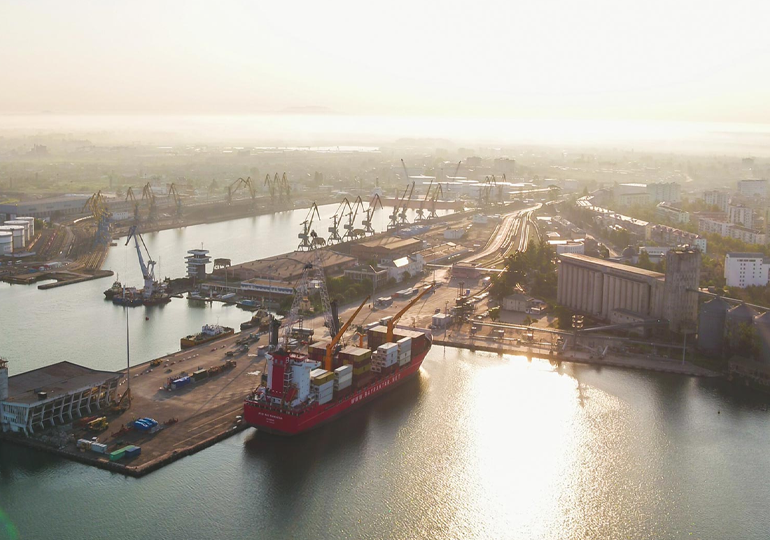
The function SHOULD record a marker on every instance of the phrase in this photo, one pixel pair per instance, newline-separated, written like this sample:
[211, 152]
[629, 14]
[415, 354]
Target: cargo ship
[301, 395]
[209, 332]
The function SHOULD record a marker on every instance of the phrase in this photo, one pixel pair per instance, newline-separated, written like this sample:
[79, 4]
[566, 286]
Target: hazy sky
[653, 59]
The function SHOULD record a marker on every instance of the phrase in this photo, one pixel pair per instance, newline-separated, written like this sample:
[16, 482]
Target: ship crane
[308, 237]
[334, 237]
[351, 233]
[149, 195]
[421, 211]
[392, 322]
[402, 215]
[438, 192]
[333, 343]
[367, 222]
[148, 268]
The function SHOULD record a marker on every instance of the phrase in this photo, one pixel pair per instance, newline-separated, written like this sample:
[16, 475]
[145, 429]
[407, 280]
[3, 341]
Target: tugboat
[260, 320]
[128, 296]
[116, 288]
[209, 332]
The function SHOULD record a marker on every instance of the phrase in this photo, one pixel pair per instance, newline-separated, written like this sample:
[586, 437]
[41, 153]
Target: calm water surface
[477, 446]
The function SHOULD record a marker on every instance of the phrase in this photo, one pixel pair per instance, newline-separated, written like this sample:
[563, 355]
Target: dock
[189, 419]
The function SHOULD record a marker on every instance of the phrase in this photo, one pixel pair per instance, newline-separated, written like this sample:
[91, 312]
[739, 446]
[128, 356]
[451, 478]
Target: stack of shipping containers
[322, 385]
[343, 380]
[385, 358]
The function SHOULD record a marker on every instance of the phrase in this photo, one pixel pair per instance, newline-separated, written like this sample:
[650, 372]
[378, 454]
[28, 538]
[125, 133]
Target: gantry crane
[308, 237]
[367, 222]
[393, 218]
[270, 187]
[148, 268]
[173, 193]
[351, 233]
[97, 205]
[438, 192]
[236, 185]
[149, 195]
[392, 322]
[312, 278]
[213, 186]
[402, 220]
[284, 188]
[334, 230]
[420, 210]
[131, 197]
[333, 343]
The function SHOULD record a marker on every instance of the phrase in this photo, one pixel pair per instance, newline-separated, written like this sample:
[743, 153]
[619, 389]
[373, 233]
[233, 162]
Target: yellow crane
[392, 322]
[333, 343]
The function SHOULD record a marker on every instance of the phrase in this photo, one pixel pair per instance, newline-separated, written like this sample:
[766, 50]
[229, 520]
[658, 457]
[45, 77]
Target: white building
[746, 269]
[567, 246]
[672, 213]
[753, 188]
[196, 263]
[720, 199]
[750, 236]
[714, 226]
[633, 199]
[740, 215]
[669, 192]
[516, 302]
[397, 269]
[454, 234]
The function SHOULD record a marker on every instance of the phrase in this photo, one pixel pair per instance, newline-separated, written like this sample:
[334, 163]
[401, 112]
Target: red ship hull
[282, 422]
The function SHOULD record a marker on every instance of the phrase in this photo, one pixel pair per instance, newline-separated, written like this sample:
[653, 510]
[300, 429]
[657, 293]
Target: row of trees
[534, 270]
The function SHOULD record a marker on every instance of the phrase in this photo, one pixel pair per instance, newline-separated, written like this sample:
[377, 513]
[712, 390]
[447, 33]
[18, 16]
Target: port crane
[312, 279]
[149, 195]
[438, 192]
[392, 322]
[402, 214]
[308, 237]
[131, 197]
[334, 237]
[236, 185]
[270, 187]
[148, 268]
[97, 205]
[351, 233]
[333, 343]
[420, 210]
[284, 188]
[173, 193]
[393, 223]
[367, 222]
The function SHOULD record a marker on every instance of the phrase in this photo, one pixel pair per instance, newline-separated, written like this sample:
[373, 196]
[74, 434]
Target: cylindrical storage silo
[31, 222]
[6, 243]
[18, 236]
[711, 327]
[25, 224]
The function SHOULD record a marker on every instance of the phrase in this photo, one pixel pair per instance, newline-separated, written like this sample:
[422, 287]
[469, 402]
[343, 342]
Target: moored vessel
[209, 332]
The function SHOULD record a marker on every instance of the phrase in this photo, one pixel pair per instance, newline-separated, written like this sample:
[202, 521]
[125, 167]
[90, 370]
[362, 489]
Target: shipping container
[99, 448]
[133, 451]
[200, 374]
[85, 444]
[362, 370]
[343, 370]
[117, 454]
[320, 377]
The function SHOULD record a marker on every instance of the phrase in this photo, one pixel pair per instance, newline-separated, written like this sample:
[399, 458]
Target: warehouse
[53, 395]
[385, 248]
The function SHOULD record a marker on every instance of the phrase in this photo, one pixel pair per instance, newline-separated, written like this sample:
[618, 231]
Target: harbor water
[477, 446]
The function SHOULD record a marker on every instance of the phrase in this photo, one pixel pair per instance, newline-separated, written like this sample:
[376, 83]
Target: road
[515, 225]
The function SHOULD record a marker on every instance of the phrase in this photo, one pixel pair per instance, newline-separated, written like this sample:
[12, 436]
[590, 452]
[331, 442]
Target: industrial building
[385, 248]
[47, 208]
[287, 268]
[599, 288]
[746, 269]
[53, 395]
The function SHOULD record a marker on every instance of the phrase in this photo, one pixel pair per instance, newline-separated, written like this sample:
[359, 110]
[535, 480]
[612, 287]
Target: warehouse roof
[57, 380]
[603, 263]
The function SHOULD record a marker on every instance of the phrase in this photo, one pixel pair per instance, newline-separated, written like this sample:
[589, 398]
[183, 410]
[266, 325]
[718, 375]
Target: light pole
[374, 283]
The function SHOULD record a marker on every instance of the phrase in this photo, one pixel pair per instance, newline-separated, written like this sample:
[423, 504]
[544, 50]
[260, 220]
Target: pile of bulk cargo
[128, 452]
[343, 380]
[321, 385]
[361, 360]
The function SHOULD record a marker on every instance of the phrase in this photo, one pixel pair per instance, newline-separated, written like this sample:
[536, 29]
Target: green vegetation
[534, 270]
[563, 317]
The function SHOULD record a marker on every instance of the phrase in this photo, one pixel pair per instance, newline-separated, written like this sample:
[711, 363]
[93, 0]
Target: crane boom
[148, 268]
[333, 343]
[392, 322]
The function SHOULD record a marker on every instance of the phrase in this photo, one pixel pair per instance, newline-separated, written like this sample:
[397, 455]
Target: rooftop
[744, 255]
[286, 267]
[602, 263]
[57, 380]
[391, 242]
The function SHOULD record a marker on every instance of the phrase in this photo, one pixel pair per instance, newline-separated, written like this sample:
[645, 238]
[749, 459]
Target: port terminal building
[53, 395]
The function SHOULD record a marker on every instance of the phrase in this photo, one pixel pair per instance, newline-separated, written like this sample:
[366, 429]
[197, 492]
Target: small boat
[116, 288]
[260, 320]
[128, 296]
[209, 332]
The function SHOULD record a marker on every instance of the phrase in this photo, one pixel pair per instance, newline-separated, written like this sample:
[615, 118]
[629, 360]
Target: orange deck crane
[392, 322]
[333, 343]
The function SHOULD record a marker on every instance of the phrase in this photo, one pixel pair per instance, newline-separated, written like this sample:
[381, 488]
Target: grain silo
[711, 327]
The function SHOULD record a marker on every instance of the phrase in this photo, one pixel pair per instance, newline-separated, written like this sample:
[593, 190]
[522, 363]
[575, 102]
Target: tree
[494, 313]
[563, 317]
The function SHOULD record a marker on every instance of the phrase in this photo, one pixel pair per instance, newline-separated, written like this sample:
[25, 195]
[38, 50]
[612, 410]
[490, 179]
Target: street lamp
[374, 283]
